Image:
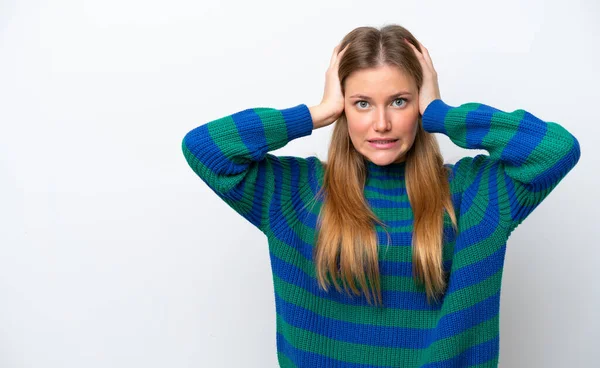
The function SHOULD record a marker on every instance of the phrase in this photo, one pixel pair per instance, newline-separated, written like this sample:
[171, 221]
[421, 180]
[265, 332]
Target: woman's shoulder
[303, 170]
[459, 171]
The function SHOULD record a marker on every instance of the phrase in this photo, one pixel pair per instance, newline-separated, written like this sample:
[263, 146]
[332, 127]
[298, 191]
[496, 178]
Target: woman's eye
[363, 101]
[401, 99]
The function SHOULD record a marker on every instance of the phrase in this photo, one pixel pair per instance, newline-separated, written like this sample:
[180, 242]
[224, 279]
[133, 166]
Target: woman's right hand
[332, 104]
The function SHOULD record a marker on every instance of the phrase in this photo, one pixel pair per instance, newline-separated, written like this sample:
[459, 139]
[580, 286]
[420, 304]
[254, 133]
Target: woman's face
[381, 103]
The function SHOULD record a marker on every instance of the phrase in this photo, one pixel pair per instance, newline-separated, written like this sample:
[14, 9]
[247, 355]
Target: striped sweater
[492, 195]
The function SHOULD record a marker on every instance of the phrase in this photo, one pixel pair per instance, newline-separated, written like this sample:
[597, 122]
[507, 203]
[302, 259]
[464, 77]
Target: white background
[113, 253]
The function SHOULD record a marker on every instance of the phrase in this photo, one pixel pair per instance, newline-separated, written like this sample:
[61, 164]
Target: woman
[422, 239]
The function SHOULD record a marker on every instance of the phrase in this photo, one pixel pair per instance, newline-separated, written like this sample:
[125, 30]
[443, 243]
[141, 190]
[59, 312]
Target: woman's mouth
[383, 144]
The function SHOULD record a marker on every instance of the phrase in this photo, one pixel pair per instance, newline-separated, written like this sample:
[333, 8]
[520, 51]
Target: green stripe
[284, 361]
[419, 319]
[377, 355]
[501, 131]
[454, 345]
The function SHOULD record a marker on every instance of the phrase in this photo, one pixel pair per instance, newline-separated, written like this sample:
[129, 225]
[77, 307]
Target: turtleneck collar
[394, 170]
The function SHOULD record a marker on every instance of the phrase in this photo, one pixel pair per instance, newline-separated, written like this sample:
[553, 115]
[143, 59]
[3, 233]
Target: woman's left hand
[430, 89]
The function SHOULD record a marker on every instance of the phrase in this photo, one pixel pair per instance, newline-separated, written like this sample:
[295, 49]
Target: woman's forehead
[383, 81]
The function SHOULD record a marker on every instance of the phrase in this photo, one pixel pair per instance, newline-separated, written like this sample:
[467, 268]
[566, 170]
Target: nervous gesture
[430, 89]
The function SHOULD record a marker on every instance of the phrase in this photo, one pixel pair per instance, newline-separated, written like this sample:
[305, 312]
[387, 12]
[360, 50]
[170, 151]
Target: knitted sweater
[492, 194]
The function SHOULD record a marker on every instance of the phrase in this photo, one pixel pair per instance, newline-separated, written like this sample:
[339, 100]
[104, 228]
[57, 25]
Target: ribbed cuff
[298, 121]
[434, 116]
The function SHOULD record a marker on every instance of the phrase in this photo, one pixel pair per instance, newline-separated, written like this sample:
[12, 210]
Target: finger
[426, 55]
[345, 48]
[333, 55]
[417, 52]
[423, 56]
[425, 52]
[411, 46]
[341, 54]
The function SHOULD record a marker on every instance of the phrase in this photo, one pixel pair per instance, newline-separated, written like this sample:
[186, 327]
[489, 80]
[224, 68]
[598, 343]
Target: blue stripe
[391, 299]
[560, 169]
[524, 141]
[388, 336]
[518, 211]
[478, 354]
[398, 223]
[302, 358]
[477, 272]
[391, 176]
[469, 317]
[255, 214]
[248, 120]
[300, 115]
[491, 214]
[402, 269]
[479, 122]
[200, 144]
[437, 124]
[400, 191]
[276, 221]
[387, 203]
[472, 189]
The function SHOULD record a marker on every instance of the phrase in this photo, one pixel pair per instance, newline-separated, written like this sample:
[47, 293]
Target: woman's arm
[230, 155]
[527, 158]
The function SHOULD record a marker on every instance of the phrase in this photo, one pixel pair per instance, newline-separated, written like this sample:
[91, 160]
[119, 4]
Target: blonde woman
[418, 245]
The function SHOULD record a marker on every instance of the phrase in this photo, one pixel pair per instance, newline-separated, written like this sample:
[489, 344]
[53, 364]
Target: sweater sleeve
[230, 155]
[527, 158]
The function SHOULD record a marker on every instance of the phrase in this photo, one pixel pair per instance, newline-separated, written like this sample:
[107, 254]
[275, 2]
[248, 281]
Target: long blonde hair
[346, 245]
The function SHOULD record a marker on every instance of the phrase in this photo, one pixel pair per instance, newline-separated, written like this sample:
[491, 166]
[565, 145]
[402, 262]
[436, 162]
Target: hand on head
[430, 89]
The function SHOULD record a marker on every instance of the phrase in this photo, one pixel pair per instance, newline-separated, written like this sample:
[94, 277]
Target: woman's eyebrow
[402, 93]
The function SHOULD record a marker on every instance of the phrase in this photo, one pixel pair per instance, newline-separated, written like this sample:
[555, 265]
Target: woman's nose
[382, 123]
